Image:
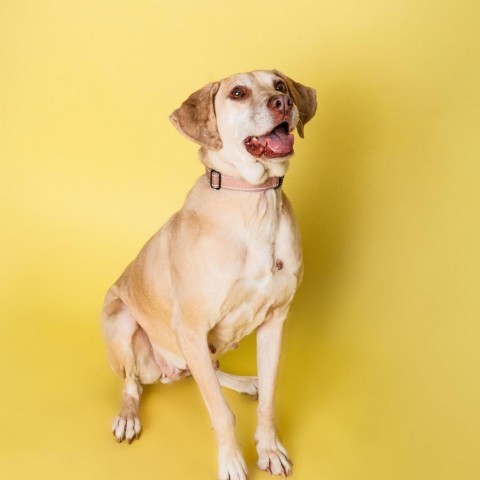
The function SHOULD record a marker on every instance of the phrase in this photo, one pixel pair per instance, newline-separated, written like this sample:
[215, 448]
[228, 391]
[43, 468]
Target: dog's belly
[249, 303]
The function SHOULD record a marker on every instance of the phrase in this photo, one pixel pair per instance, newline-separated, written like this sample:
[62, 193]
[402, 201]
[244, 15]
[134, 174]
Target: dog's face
[248, 116]
[256, 115]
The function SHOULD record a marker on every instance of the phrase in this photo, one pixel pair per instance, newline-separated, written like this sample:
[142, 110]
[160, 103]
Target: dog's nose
[280, 104]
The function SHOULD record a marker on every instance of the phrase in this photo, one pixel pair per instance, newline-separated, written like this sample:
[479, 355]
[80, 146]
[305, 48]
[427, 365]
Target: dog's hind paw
[250, 387]
[241, 384]
[126, 427]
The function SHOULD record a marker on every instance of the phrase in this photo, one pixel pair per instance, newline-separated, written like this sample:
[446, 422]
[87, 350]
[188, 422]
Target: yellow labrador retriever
[227, 263]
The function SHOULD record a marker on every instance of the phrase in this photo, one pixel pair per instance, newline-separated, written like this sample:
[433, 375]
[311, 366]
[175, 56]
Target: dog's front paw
[126, 427]
[231, 465]
[273, 458]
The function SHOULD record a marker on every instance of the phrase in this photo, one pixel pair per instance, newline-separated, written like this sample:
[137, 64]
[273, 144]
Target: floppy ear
[305, 99]
[196, 118]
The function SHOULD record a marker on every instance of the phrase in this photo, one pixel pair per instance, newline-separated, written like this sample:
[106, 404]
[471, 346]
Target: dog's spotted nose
[280, 105]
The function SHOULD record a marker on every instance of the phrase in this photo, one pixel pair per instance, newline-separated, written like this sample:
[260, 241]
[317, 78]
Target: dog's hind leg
[240, 384]
[131, 356]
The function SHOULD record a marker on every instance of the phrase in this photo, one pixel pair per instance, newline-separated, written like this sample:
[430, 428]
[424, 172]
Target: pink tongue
[278, 141]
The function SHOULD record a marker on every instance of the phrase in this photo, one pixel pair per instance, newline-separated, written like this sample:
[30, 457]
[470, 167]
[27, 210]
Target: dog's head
[248, 117]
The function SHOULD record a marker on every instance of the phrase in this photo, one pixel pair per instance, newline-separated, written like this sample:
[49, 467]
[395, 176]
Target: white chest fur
[269, 276]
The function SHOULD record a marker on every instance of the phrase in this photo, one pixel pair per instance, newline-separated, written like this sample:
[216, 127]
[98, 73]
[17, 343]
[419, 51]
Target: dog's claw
[253, 396]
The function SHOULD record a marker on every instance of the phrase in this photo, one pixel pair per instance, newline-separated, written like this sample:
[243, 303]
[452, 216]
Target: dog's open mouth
[276, 144]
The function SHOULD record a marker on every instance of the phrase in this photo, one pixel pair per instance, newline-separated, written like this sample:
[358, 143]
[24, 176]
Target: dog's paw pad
[126, 427]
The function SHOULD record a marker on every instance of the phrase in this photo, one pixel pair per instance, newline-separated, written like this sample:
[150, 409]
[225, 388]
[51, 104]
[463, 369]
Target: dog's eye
[281, 87]
[238, 93]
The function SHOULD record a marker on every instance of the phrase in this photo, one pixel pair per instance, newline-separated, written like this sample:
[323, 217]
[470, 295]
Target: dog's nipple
[279, 264]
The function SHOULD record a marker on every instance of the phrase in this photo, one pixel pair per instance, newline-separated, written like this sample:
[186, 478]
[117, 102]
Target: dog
[226, 264]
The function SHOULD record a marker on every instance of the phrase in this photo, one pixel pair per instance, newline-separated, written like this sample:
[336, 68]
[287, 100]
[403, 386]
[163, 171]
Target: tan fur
[196, 117]
[226, 264]
[304, 98]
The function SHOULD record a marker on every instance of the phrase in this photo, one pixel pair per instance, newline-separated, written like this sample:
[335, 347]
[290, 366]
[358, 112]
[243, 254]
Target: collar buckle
[218, 180]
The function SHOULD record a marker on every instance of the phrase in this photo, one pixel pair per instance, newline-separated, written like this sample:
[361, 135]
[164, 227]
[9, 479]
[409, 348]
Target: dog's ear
[196, 118]
[305, 99]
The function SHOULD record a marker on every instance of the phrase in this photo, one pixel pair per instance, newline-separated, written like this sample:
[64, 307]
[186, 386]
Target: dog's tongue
[278, 141]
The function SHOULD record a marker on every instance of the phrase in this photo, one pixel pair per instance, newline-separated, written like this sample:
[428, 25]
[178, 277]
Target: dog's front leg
[195, 349]
[272, 456]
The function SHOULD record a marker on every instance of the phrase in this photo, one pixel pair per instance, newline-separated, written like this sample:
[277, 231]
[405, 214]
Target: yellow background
[380, 373]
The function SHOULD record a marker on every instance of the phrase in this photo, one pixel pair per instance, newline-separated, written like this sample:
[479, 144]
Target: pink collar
[218, 180]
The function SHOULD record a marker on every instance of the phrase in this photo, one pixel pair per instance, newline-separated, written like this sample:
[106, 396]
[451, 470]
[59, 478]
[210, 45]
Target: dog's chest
[268, 281]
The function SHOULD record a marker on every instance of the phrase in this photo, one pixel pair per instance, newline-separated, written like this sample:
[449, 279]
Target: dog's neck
[247, 168]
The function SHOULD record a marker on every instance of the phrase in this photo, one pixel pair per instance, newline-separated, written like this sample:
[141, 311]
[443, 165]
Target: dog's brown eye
[281, 87]
[238, 93]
